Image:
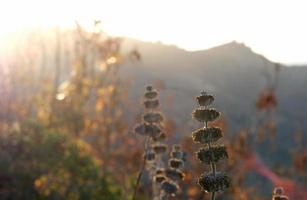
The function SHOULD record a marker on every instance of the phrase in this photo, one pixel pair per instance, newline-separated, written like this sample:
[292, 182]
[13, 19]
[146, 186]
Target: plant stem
[142, 169]
[213, 166]
[213, 196]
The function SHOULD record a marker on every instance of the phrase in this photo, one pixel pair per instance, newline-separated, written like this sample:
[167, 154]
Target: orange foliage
[267, 100]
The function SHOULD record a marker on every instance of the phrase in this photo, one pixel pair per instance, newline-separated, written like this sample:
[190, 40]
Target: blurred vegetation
[59, 135]
[40, 164]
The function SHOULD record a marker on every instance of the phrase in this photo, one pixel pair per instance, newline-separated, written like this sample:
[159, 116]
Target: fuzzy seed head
[278, 194]
[159, 178]
[176, 147]
[280, 197]
[146, 129]
[140, 129]
[175, 163]
[204, 135]
[160, 171]
[205, 114]
[278, 190]
[212, 155]
[150, 156]
[211, 183]
[160, 137]
[169, 187]
[204, 99]
[153, 117]
[174, 174]
[151, 104]
[177, 154]
[159, 148]
[149, 88]
[151, 94]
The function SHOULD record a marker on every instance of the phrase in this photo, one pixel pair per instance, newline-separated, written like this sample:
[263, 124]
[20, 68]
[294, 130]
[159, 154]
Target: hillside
[232, 72]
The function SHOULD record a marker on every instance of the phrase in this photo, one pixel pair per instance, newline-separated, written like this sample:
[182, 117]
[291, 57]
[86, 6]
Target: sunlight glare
[273, 28]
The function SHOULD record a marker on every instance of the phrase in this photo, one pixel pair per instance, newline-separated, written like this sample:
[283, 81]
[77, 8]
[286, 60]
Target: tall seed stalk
[151, 127]
[213, 181]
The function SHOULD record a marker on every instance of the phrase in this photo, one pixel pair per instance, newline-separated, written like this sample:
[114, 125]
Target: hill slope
[232, 72]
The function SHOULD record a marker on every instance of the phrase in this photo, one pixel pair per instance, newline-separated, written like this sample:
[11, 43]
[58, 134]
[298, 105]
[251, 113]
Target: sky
[275, 28]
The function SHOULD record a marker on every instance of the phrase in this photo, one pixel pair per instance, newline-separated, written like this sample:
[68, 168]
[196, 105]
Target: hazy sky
[274, 28]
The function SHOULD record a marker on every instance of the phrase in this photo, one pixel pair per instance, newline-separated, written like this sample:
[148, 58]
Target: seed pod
[204, 135]
[169, 187]
[280, 197]
[211, 183]
[160, 171]
[212, 155]
[160, 137]
[159, 178]
[174, 174]
[159, 148]
[176, 147]
[175, 163]
[151, 94]
[177, 154]
[140, 129]
[278, 194]
[150, 156]
[278, 191]
[149, 87]
[151, 104]
[205, 115]
[153, 117]
[151, 130]
[204, 99]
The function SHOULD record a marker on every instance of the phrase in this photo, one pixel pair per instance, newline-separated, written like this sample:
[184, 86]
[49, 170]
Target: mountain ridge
[131, 43]
[232, 72]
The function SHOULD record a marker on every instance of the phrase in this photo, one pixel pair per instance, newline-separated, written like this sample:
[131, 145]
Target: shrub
[40, 164]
